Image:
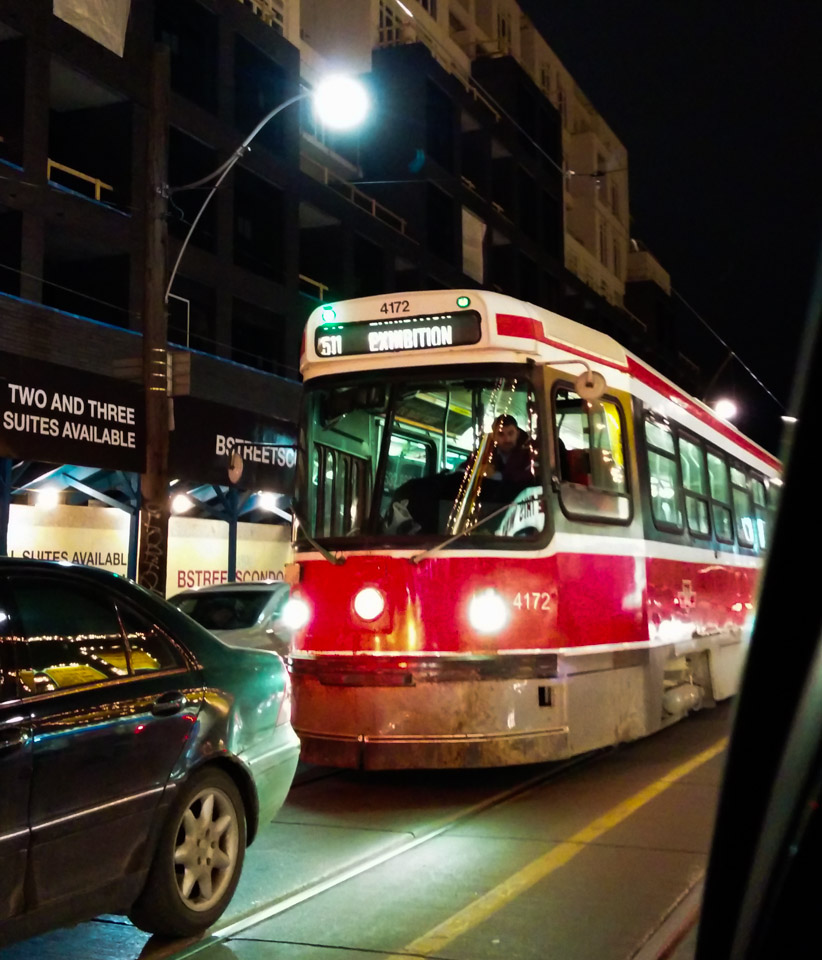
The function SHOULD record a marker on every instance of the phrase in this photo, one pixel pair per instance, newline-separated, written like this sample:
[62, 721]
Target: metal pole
[5, 504]
[154, 510]
[233, 511]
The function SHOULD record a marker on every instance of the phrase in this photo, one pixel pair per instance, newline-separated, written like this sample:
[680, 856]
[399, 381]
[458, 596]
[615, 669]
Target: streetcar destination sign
[398, 334]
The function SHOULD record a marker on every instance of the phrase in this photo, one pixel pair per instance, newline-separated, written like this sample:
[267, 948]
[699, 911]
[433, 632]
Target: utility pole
[154, 510]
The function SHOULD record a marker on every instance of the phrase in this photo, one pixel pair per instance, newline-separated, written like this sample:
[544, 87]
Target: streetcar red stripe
[647, 376]
[528, 328]
[510, 325]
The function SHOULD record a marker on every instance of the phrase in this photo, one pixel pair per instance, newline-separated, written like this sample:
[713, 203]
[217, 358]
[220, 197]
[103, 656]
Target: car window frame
[7, 579]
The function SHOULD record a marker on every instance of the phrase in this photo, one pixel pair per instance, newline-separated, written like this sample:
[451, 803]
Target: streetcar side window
[664, 476]
[742, 506]
[774, 486]
[591, 458]
[760, 509]
[695, 486]
[720, 497]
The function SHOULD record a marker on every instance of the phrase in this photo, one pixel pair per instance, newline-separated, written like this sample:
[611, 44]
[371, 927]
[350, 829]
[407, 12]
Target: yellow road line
[488, 904]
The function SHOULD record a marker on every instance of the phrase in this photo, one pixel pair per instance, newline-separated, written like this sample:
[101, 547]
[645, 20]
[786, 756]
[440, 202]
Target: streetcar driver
[511, 459]
[417, 504]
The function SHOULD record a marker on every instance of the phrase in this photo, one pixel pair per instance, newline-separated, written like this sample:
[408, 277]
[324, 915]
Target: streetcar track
[396, 849]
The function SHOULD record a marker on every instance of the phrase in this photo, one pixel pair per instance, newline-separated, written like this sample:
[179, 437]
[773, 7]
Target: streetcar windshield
[422, 454]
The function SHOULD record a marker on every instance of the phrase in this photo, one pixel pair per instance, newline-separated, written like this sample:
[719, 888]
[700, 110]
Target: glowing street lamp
[725, 409]
[340, 102]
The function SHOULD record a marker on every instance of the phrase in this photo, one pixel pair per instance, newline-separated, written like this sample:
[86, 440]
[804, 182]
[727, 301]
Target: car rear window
[226, 610]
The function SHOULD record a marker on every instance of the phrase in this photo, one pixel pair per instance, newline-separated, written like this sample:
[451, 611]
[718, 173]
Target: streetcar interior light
[369, 603]
[296, 613]
[487, 612]
[463, 302]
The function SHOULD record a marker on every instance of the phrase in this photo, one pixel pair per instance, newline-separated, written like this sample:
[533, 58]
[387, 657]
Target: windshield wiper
[329, 556]
[417, 557]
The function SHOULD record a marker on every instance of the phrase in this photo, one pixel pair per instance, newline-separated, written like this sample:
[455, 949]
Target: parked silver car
[247, 614]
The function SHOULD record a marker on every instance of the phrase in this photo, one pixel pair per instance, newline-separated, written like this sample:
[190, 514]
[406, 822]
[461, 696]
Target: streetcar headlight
[296, 613]
[487, 612]
[369, 603]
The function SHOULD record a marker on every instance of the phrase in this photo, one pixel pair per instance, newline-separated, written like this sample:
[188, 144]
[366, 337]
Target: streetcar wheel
[198, 859]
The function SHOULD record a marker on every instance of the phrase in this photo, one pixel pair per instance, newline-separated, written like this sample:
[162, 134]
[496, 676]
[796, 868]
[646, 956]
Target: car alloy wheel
[198, 858]
[205, 855]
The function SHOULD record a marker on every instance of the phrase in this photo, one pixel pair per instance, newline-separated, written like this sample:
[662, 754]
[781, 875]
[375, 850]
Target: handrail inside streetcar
[417, 557]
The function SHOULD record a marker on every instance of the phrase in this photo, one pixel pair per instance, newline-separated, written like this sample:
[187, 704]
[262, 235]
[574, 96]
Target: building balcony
[594, 274]
[642, 265]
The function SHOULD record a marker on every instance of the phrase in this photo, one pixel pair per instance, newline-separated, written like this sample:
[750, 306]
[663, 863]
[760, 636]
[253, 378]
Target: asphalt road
[601, 857]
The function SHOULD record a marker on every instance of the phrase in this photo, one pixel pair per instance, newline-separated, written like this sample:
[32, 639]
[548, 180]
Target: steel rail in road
[220, 934]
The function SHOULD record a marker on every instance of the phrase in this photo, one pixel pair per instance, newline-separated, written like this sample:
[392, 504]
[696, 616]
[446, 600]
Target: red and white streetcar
[515, 540]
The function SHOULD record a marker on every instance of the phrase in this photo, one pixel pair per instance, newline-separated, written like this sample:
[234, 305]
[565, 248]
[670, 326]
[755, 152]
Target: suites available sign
[62, 415]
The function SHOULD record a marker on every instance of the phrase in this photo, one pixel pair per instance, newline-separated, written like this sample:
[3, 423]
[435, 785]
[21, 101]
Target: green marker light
[463, 302]
[329, 313]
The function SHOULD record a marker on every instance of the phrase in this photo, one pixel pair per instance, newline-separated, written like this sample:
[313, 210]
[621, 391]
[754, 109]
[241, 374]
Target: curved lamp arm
[223, 171]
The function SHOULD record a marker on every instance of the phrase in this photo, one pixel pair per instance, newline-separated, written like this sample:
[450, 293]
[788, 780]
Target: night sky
[719, 107]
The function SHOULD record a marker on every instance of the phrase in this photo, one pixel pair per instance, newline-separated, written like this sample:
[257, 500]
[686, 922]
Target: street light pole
[154, 511]
[342, 103]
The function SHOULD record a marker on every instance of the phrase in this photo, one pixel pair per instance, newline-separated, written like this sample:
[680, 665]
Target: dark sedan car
[138, 754]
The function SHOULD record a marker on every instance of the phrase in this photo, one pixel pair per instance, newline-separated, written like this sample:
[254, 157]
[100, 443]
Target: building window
[617, 262]
[258, 225]
[257, 337]
[430, 6]
[473, 237]
[603, 244]
[504, 31]
[615, 199]
[191, 33]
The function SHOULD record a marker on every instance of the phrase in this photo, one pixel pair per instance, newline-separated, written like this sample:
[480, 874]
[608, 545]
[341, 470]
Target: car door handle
[168, 703]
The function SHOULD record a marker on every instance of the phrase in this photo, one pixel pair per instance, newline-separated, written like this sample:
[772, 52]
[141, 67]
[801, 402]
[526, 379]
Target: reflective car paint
[96, 767]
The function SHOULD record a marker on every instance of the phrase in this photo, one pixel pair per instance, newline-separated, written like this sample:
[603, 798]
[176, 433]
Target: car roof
[234, 585]
[25, 563]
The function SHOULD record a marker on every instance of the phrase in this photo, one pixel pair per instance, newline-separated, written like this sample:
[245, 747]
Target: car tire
[198, 859]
